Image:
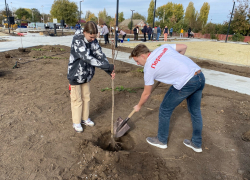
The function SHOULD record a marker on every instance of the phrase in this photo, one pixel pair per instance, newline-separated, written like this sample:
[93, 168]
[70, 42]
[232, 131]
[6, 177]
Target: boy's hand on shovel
[137, 108]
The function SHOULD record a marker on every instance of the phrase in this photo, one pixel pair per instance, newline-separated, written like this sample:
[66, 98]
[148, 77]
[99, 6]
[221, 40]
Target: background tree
[203, 15]
[129, 25]
[23, 14]
[103, 15]
[64, 9]
[136, 15]
[36, 15]
[90, 17]
[241, 18]
[190, 15]
[151, 12]
[121, 17]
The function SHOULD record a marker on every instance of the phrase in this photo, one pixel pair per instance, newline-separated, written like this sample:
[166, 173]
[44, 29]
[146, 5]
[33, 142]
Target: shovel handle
[131, 114]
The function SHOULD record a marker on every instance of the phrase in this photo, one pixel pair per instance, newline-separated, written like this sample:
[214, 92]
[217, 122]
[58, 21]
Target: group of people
[152, 33]
[166, 64]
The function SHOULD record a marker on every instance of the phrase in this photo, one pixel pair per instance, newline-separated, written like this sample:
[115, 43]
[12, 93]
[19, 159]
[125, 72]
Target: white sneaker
[78, 128]
[88, 122]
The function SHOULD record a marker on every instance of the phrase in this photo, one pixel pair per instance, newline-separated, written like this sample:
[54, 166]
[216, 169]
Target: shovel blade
[120, 132]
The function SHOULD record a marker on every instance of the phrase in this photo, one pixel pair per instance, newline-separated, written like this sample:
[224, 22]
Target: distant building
[136, 22]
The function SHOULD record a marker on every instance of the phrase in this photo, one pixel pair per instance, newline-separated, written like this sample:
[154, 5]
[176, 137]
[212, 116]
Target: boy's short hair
[139, 50]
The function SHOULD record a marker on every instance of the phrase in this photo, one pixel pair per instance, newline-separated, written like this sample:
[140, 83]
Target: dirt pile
[96, 163]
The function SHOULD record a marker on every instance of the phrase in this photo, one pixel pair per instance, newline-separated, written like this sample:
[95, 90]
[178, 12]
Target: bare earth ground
[38, 141]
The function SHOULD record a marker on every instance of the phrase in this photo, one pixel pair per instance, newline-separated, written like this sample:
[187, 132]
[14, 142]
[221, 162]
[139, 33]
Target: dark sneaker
[88, 122]
[189, 144]
[155, 142]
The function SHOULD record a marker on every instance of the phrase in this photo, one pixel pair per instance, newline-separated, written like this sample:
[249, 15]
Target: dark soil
[38, 141]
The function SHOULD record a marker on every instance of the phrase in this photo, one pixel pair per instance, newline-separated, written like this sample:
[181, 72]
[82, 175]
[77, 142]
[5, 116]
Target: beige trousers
[80, 97]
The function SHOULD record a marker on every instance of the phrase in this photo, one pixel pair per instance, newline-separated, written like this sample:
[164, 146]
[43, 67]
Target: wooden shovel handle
[131, 114]
[155, 85]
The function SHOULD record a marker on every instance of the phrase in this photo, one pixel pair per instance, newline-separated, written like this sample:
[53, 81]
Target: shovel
[121, 126]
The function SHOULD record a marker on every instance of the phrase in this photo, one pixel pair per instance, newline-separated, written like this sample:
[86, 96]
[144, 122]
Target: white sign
[54, 20]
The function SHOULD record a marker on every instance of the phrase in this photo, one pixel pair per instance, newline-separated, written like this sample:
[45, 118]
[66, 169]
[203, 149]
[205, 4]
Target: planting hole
[125, 142]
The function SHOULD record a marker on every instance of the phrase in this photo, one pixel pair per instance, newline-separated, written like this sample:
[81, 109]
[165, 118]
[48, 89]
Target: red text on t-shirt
[158, 58]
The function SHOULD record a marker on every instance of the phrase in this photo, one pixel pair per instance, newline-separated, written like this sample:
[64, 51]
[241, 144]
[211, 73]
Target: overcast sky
[219, 9]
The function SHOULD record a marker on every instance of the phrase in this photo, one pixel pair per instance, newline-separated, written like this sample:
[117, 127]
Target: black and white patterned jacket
[84, 57]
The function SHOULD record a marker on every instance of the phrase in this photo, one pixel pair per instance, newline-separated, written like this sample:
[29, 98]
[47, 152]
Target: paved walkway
[218, 79]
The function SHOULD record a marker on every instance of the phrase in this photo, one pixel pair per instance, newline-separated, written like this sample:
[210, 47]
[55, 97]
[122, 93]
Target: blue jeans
[149, 36]
[192, 91]
[158, 35]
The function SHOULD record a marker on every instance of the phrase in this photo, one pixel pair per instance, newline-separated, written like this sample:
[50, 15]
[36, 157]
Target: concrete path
[215, 78]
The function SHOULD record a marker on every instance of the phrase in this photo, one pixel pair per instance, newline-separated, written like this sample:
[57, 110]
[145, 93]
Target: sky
[219, 9]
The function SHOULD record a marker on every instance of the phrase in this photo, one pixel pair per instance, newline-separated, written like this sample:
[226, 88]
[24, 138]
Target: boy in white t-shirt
[168, 64]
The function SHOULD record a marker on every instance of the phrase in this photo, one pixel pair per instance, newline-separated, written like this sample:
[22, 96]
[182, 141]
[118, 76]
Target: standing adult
[158, 32]
[149, 31]
[171, 32]
[181, 34]
[155, 33]
[167, 64]
[85, 55]
[189, 31]
[99, 30]
[136, 31]
[105, 33]
[166, 32]
[144, 30]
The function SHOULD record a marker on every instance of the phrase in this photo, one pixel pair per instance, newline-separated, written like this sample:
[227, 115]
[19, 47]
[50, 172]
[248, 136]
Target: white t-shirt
[168, 66]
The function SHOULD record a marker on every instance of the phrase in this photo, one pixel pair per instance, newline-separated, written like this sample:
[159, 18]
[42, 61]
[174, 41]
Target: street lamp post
[80, 13]
[230, 22]
[43, 14]
[154, 21]
[11, 8]
[116, 28]
[131, 21]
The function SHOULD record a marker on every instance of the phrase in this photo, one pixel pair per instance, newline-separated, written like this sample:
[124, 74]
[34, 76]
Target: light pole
[131, 21]
[230, 22]
[80, 13]
[116, 28]
[11, 8]
[154, 21]
[43, 14]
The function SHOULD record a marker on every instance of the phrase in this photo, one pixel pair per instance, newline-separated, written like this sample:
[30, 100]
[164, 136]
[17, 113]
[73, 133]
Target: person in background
[78, 26]
[167, 64]
[123, 34]
[155, 34]
[158, 32]
[171, 32]
[85, 55]
[135, 32]
[166, 32]
[144, 30]
[149, 31]
[181, 34]
[189, 31]
[105, 33]
[99, 30]
[192, 34]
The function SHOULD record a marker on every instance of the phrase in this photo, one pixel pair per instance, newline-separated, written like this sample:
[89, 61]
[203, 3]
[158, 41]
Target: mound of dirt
[36, 53]
[96, 163]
